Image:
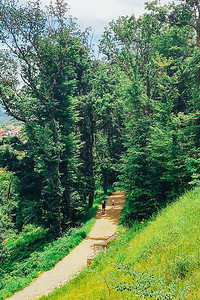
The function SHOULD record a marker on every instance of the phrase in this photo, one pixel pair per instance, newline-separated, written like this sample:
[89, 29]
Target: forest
[129, 120]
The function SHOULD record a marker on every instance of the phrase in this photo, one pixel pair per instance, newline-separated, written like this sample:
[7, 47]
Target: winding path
[104, 227]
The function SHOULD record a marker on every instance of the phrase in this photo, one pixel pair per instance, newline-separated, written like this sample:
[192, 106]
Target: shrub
[29, 240]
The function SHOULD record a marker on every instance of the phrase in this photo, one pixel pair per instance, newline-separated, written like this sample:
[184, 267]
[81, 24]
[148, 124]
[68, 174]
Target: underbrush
[34, 250]
[159, 259]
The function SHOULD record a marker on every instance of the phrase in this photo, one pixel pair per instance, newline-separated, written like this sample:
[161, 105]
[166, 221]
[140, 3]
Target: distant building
[10, 130]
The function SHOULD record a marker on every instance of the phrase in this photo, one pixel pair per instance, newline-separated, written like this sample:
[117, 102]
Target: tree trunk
[198, 25]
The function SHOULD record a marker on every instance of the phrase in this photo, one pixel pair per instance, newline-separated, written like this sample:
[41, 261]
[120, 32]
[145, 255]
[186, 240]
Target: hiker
[103, 202]
[113, 202]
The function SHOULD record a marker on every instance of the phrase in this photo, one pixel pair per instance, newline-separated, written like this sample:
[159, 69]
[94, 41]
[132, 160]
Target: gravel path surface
[104, 227]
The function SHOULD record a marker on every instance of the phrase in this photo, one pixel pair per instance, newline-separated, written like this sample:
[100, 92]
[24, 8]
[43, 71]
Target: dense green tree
[49, 49]
[87, 128]
[191, 10]
[109, 139]
[100, 125]
[161, 103]
[8, 202]
[133, 115]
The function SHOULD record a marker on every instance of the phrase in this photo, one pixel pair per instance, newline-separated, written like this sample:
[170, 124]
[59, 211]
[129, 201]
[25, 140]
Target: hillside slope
[158, 261]
[4, 118]
[104, 227]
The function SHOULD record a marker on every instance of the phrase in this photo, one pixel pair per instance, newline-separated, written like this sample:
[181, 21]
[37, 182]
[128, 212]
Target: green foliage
[8, 203]
[26, 254]
[110, 124]
[33, 252]
[145, 286]
[133, 118]
[21, 246]
[158, 259]
[160, 104]
[51, 58]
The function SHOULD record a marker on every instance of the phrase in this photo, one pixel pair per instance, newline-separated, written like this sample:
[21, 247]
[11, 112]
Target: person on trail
[104, 202]
[113, 202]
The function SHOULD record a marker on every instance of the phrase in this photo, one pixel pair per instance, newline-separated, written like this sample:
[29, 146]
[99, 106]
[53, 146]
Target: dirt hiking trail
[104, 227]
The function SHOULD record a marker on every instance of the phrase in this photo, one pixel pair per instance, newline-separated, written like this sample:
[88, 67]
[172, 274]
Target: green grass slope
[157, 260]
[31, 253]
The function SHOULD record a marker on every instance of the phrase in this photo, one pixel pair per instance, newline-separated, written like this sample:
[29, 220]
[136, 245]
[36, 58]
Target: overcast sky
[98, 13]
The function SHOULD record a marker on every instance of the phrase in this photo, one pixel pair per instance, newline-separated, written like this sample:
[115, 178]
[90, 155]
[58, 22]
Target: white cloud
[99, 13]
[104, 10]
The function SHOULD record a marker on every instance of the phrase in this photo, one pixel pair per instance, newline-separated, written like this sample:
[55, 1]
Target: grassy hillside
[33, 251]
[159, 260]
